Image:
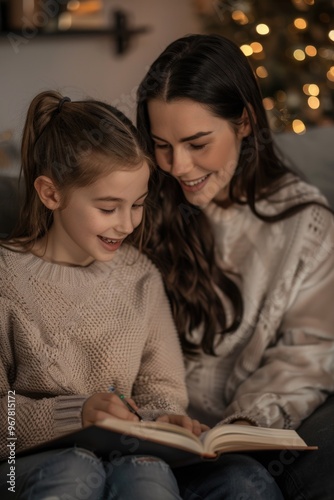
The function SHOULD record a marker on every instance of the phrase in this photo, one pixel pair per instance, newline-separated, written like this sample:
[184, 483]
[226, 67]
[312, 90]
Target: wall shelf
[119, 32]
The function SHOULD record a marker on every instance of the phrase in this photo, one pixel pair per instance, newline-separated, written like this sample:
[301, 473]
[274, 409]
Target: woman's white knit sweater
[68, 332]
[279, 365]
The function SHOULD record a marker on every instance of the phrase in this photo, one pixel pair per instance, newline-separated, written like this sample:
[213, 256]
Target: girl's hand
[103, 405]
[184, 421]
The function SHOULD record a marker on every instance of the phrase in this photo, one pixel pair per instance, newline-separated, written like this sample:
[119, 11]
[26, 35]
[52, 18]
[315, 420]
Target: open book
[176, 445]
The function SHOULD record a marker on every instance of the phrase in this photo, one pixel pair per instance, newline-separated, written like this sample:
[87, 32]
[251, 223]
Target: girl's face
[97, 218]
[199, 149]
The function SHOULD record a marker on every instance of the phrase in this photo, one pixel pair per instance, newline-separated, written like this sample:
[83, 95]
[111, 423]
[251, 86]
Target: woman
[246, 250]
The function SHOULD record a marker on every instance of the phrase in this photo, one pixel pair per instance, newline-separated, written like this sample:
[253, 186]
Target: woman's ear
[246, 128]
[47, 192]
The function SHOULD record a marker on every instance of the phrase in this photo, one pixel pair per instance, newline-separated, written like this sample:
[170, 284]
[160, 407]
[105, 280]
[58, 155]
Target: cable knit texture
[68, 332]
[279, 365]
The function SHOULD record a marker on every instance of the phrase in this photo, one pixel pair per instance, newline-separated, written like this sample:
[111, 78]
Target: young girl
[82, 309]
[246, 251]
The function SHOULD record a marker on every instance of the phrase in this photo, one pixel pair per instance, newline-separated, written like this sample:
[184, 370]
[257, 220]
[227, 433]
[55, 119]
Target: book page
[161, 432]
[238, 437]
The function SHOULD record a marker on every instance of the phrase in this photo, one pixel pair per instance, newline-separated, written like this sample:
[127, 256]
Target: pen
[122, 397]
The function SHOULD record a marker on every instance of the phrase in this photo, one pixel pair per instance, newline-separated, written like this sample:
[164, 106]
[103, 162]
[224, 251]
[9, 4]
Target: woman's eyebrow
[185, 139]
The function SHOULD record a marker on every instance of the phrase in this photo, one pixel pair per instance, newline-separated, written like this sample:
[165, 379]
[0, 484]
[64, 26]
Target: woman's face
[199, 149]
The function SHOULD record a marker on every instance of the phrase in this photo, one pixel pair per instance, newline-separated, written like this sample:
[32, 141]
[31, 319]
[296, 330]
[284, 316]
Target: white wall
[88, 66]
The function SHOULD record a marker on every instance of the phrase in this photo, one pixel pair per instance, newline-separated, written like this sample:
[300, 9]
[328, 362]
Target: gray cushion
[9, 203]
[313, 155]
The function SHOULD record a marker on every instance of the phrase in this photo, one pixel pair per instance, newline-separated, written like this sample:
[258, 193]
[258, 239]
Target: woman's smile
[194, 185]
[196, 147]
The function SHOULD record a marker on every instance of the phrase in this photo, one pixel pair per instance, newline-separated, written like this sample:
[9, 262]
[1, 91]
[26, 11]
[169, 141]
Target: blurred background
[102, 49]
[290, 45]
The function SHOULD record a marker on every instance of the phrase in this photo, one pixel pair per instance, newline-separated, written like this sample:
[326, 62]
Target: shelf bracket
[122, 33]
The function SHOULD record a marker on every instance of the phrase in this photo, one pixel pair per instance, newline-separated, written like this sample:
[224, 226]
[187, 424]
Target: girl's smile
[96, 219]
[109, 244]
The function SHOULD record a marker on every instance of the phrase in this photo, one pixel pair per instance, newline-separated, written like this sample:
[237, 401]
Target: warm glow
[261, 72]
[311, 51]
[300, 4]
[281, 95]
[65, 21]
[313, 102]
[240, 17]
[299, 54]
[298, 126]
[268, 103]
[326, 53]
[87, 7]
[262, 29]
[257, 47]
[303, 4]
[73, 5]
[330, 74]
[247, 50]
[311, 89]
[331, 35]
[300, 23]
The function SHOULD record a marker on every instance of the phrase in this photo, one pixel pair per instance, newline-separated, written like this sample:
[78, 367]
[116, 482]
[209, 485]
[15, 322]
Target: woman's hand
[184, 421]
[103, 405]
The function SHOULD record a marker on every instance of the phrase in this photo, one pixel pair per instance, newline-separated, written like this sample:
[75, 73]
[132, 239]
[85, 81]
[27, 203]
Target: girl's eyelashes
[135, 206]
[197, 146]
[107, 211]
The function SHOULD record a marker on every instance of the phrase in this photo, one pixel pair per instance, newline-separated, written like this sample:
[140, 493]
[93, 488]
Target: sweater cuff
[240, 416]
[67, 414]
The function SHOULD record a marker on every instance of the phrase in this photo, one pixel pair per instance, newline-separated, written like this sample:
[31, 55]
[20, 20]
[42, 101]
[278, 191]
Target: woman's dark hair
[213, 71]
[73, 143]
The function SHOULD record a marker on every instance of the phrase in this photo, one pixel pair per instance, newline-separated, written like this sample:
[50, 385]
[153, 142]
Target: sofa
[312, 154]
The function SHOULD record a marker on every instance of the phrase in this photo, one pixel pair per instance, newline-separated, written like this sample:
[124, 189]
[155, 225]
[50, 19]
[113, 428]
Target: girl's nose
[124, 224]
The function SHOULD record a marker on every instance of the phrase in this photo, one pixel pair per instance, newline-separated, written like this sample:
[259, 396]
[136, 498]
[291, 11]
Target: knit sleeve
[24, 420]
[297, 372]
[160, 385]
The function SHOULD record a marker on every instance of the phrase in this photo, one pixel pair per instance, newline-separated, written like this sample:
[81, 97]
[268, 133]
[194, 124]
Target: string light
[240, 17]
[247, 50]
[298, 126]
[283, 59]
[262, 29]
[268, 103]
[311, 51]
[330, 74]
[300, 23]
[261, 72]
[256, 47]
[313, 102]
[299, 55]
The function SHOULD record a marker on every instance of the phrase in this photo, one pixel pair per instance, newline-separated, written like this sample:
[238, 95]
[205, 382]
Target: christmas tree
[290, 45]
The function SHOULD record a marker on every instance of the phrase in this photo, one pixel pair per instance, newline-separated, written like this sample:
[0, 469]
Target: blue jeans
[77, 474]
[300, 475]
[232, 477]
[307, 475]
